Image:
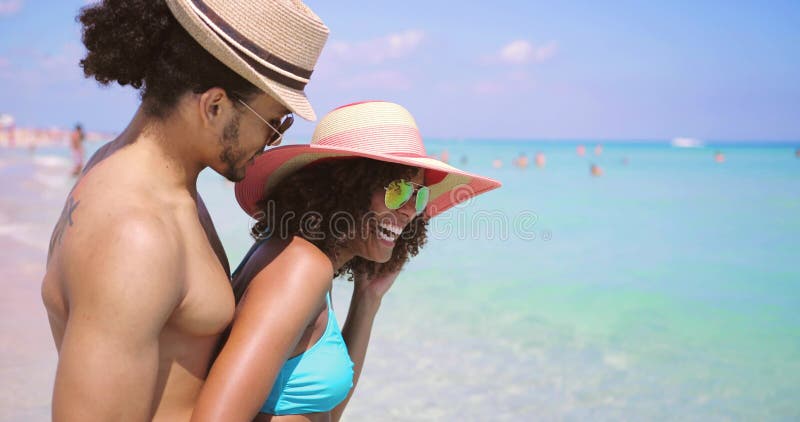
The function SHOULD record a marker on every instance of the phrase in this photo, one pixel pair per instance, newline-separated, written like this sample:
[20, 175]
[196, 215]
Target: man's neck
[166, 147]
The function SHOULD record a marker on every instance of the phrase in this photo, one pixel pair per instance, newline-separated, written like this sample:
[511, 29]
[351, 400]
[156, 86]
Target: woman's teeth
[389, 232]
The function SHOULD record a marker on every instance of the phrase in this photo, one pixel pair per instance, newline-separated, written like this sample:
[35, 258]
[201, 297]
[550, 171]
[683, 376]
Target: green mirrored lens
[397, 194]
[422, 198]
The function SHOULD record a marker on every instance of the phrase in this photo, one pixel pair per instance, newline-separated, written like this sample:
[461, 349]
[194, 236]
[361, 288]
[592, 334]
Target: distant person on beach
[355, 202]
[7, 126]
[719, 157]
[540, 159]
[580, 150]
[598, 150]
[797, 153]
[76, 139]
[596, 170]
[497, 163]
[521, 161]
[137, 284]
[445, 157]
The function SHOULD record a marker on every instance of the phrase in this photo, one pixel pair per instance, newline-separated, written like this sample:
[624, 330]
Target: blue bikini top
[316, 380]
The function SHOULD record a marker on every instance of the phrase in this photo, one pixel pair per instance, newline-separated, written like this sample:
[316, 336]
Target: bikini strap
[329, 299]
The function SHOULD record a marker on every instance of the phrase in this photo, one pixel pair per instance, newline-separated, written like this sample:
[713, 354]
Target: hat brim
[293, 99]
[276, 164]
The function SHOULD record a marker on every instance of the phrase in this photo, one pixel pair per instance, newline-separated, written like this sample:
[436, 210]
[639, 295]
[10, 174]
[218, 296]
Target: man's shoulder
[128, 248]
[116, 228]
[135, 229]
[113, 202]
[102, 208]
[100, 227]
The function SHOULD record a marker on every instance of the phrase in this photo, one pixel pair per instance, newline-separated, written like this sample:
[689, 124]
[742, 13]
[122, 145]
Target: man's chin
[234, 175]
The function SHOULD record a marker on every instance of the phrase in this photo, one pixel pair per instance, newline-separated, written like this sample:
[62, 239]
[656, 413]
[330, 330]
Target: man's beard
[230, 154]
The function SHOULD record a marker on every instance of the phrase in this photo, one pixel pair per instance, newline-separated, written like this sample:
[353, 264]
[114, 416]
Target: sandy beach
[33, 189]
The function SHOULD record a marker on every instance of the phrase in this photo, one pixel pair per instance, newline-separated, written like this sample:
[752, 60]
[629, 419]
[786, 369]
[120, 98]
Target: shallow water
[668, 288]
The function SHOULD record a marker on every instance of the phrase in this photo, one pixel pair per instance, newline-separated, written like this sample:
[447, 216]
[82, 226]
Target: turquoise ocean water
[668, 288]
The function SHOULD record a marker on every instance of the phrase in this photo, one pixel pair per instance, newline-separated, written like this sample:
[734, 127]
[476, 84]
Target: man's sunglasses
[278, 127]
[400, 191]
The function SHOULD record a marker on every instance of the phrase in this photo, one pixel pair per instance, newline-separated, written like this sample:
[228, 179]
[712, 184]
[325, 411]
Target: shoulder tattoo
[63, 222]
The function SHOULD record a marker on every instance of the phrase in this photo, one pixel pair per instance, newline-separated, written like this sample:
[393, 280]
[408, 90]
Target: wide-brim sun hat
[378, 130]
[274, 44]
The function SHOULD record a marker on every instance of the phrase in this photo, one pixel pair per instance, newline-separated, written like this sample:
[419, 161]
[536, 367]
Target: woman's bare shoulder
[282, 264]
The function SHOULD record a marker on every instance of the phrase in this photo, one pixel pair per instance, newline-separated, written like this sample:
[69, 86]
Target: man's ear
[214, 107]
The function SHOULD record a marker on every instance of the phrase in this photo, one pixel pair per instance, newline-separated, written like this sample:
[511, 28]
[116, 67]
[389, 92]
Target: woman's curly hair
[328, 202]
[141, 44]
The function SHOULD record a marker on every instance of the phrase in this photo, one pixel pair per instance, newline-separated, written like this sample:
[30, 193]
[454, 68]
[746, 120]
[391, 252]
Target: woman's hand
[374, 288]
[367, 295]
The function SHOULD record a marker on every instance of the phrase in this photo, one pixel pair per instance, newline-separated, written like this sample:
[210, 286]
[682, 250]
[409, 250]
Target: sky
[505, 69]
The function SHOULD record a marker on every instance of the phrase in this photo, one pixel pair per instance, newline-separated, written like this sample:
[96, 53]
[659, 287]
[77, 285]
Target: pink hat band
[385, 139]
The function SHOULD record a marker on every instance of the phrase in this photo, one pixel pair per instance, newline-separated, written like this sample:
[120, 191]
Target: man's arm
[123, 285]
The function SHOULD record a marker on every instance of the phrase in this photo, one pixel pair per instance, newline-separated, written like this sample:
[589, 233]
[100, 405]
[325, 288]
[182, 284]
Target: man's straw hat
[274, 44]
[375, 129]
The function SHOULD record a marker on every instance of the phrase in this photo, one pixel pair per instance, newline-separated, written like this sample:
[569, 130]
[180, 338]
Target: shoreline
[29, 203]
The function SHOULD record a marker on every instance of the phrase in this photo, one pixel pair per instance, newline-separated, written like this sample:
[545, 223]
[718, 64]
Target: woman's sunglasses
[400, 191]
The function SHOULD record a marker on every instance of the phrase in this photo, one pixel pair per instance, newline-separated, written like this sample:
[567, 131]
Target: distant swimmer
[797, 153]
[521, 161]
[445, 156]
[76, 139]
[7, 127]
[596, 170]
[598, 149]
[581, 150]
[540, 159]
[719, 157]
[497, 163]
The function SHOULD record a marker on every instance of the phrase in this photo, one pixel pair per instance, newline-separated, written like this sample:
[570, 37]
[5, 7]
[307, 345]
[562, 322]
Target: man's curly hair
[141, 44]
[327, 203]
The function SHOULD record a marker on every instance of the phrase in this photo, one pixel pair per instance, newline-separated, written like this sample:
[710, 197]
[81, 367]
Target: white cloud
[10, 7]
[374, 63]
[517, 52]
[386, 79]
[522, 51]
[516, 82]
[546, 51]
[405, 42]
[36, 68]
[488, 88]
[67, 58]
[378, 50]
